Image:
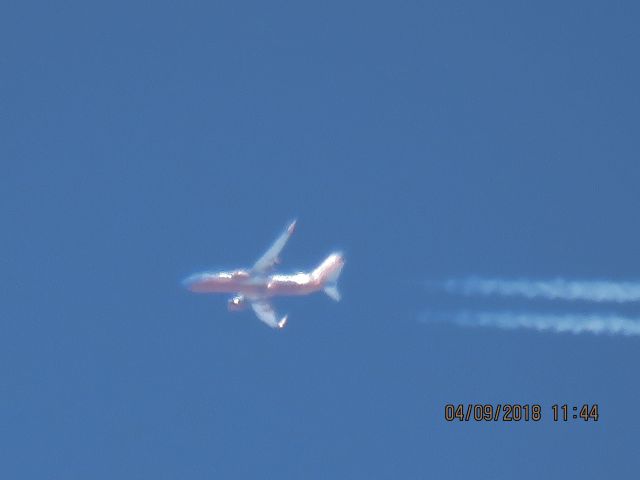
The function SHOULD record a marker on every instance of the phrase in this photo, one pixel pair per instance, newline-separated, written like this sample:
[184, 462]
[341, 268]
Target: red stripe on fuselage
[299, 284]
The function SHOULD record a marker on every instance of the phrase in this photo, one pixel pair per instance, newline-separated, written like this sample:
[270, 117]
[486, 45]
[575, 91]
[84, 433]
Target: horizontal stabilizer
[332, 291]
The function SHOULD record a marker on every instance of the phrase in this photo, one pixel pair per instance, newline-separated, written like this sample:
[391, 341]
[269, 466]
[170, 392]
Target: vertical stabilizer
[328, 273]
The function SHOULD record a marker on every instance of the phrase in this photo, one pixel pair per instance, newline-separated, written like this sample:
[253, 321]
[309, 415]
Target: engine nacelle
[236, 303]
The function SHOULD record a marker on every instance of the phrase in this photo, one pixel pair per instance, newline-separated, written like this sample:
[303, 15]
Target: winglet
[282, 323]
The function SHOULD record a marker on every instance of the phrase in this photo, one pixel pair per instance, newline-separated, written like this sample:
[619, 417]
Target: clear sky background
[144, 141]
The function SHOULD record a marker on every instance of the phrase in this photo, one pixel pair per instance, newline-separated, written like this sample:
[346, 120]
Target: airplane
[257, 285]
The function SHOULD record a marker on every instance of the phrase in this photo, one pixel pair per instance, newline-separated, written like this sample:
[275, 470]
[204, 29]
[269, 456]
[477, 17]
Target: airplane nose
[189, 281]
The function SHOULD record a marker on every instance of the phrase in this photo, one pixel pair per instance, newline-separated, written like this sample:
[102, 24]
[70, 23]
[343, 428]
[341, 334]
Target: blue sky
[143, 142]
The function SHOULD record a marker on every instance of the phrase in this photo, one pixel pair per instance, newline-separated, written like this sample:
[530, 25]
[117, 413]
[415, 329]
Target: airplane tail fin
[328, 273]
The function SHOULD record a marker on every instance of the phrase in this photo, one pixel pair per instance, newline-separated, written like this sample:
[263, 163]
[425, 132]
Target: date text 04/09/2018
[514, 412]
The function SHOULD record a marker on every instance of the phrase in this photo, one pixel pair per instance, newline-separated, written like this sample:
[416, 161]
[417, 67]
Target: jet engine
[236, 303]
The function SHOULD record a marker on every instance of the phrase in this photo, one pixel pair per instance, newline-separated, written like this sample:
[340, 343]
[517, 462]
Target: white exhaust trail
[570, 323]
[557, 289]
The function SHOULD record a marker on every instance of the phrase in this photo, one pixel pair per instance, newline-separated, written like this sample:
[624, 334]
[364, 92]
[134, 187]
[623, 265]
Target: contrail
[570, 323]
[558, 289]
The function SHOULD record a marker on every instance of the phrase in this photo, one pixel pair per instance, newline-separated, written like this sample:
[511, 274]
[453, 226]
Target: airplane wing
[270, 257]
[266, 314]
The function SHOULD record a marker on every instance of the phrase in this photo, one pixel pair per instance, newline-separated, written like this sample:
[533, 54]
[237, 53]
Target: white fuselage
[264, 286]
